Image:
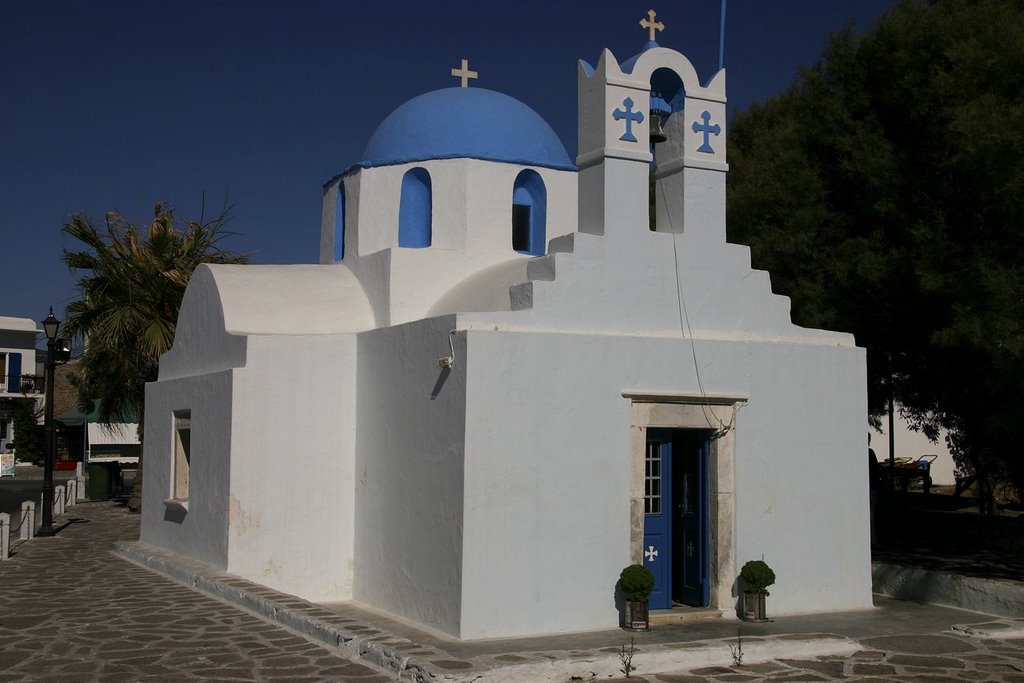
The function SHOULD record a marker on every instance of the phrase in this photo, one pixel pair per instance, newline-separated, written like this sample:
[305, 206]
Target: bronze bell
[657, 133]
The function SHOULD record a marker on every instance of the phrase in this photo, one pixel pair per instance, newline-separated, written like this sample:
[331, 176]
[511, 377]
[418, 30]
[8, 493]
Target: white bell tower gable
[615, 152]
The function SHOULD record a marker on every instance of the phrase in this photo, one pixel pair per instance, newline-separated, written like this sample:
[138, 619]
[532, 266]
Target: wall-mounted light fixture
[446, 362]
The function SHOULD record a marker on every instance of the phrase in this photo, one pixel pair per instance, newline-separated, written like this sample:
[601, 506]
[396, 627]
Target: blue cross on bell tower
[630, 117]
[707, 130]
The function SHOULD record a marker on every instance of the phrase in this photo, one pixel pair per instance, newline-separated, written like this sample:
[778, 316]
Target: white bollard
[5, 535]
[72, 487]
[80, 478]
[28, 520]
[58, 500]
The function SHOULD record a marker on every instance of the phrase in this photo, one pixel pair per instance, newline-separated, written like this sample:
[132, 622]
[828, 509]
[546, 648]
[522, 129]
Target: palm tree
[133, 279]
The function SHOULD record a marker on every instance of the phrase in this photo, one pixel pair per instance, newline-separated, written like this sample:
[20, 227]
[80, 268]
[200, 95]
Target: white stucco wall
[547, 472]
[802, 476]
[471, 229]
[409, 474]
[471, 206]
[17, 335]
[260, 454]
[201, 531]
[629, 287]
[264, 359]
[547, 484]
[290, 509]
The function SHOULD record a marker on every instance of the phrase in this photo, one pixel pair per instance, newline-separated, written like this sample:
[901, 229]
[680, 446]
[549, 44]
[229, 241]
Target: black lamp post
[50, 327]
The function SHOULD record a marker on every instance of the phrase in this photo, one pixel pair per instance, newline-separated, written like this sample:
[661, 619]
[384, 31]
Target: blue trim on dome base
[517, 162]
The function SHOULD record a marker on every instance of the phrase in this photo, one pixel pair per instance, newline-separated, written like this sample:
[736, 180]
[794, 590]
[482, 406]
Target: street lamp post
[50, 327]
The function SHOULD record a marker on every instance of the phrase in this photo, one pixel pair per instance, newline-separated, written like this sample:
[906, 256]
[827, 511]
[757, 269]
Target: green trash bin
[98, 486]
[116, 479]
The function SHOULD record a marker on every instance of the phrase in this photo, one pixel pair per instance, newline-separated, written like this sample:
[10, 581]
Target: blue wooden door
[691, 504]
[658, 515]
[14, 372]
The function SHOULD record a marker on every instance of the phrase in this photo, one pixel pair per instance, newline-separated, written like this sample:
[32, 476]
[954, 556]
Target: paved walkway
[70, 610]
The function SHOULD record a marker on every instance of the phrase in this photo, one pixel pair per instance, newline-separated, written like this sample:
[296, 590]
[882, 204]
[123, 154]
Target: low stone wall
[916, 584]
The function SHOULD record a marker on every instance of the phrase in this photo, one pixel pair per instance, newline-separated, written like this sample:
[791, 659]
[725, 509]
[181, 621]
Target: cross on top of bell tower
[651, 25]
[464, 73]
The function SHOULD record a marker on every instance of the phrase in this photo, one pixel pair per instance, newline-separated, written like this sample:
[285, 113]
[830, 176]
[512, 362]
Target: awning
[112, 434]
[88, 412]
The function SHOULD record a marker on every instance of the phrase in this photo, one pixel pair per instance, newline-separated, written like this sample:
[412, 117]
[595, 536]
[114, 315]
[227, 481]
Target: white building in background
[88, 439]
[500, 386]
[17, 369]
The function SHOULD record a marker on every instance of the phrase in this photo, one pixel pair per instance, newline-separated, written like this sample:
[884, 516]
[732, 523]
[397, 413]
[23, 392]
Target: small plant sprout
[626, 657]
[737, 649]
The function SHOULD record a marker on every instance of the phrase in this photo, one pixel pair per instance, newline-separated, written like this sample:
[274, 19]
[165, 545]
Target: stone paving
[938, 658]
[72, 611]
[898, 641]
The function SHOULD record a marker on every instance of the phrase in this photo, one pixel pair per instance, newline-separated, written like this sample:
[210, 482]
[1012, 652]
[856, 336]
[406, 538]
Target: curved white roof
[299, 299]
[225, 303]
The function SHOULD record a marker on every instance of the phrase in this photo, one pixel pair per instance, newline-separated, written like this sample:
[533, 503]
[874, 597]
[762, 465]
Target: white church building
[505, 381]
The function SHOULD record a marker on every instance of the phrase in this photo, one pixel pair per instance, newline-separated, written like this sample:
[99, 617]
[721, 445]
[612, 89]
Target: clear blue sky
[110, 104]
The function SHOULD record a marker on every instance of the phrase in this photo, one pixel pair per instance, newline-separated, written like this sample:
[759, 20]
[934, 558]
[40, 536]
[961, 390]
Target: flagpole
[721, 39]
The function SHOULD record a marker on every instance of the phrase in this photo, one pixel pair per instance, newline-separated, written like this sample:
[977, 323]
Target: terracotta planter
[637, 616]
[753, 607]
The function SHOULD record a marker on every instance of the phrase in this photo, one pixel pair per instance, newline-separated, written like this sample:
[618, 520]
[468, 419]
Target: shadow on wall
[439, 384]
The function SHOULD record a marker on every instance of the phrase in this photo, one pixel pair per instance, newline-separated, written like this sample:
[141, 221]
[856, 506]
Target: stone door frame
[689, 412]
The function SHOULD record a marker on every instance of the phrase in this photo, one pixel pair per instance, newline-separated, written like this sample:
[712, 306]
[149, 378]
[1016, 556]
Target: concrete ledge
[990, 596]
[682, 615]
[354, 634]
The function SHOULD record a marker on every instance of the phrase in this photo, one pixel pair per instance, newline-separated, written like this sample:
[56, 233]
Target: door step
[683, 614]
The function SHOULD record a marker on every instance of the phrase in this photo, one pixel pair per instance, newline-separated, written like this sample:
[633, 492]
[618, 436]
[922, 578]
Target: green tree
[28, 433]
[132, 282]
[884, 192]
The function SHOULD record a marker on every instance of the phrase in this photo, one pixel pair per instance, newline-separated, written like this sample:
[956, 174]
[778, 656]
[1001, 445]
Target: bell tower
[617, 105]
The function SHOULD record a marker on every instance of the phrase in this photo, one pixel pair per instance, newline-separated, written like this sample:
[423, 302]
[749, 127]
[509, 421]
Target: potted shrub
[756, 576]
[636, 583]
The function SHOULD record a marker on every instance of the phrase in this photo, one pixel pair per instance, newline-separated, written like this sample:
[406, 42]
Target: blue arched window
[414, 213]
[529, 213]
[339, 224]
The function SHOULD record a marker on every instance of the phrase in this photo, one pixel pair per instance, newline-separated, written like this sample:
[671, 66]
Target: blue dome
[465, 122]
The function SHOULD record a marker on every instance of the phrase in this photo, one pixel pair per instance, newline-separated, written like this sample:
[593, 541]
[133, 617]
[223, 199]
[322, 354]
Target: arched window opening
[415, 211]
[668, 96]
[339, 224]
[529, 213]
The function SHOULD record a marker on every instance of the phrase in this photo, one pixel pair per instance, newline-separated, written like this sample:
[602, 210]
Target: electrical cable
[687, 332]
